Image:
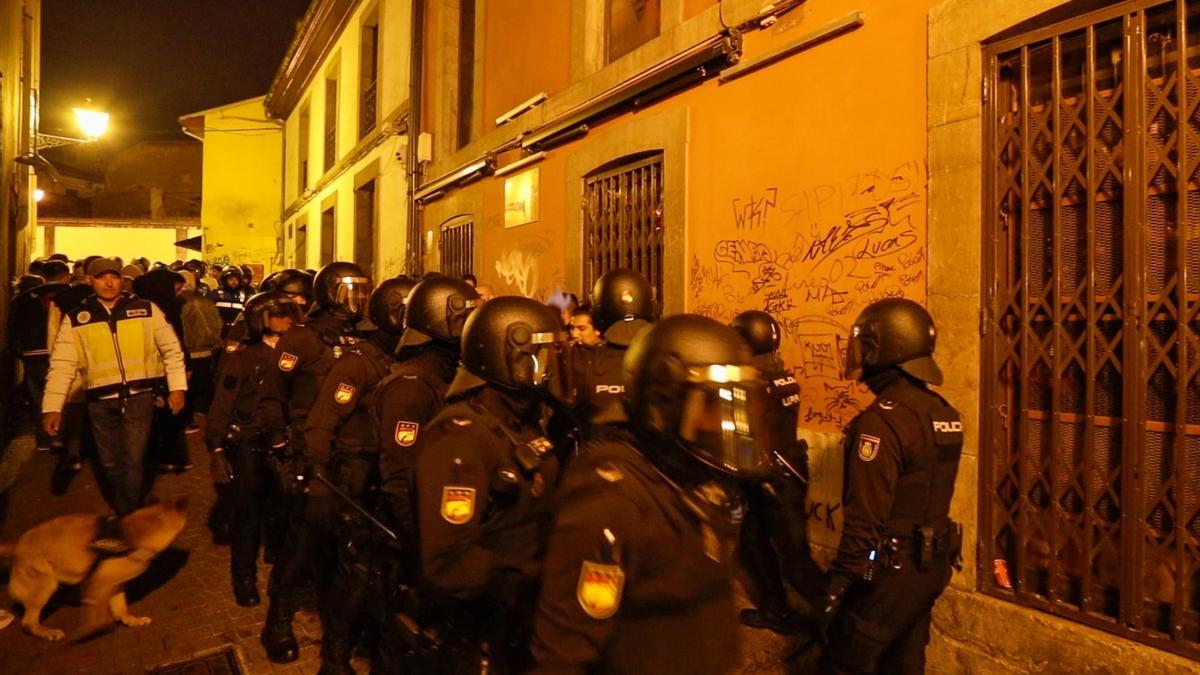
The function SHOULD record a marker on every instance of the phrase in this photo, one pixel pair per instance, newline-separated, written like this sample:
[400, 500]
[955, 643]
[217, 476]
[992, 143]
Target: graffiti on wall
[813, 257]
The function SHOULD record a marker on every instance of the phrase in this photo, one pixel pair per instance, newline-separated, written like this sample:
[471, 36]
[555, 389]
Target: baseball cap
[102, 266]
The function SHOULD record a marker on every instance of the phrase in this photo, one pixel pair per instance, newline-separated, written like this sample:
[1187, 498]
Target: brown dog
[61, 551]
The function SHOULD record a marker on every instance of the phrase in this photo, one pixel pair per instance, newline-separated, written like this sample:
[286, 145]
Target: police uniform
[408, 400]
[303, 357]
[638, 577]
[773, 537]
[230, 426]
[343, 445]
[230, 303]
[484, 481]
[601, 381]
[902, 457]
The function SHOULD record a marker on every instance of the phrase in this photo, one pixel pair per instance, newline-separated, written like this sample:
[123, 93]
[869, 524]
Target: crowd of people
[482, 483]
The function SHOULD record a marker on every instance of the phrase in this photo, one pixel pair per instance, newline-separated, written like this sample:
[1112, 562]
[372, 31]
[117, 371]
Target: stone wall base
[978, 634]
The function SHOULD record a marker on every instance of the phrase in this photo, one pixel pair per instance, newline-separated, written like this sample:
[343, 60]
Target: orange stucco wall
[523, 57]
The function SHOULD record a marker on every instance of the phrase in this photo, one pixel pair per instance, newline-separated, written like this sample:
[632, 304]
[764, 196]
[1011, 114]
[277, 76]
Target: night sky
[147, 62]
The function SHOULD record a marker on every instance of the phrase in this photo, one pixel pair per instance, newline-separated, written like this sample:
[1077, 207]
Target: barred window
[622, 219]
[457, 249]
[1090, 506]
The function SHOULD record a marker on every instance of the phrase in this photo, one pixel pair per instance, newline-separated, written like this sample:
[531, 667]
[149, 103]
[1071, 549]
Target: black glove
[825, 608]
[219, 466]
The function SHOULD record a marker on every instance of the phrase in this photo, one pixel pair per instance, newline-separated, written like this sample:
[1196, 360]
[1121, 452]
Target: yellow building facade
[341, 94]
[20, 67]
[242, 184]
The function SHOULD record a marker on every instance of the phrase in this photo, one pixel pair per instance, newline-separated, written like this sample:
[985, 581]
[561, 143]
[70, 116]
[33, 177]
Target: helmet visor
[852, 368]
[541, 363]
[353, 293]
[730, 421]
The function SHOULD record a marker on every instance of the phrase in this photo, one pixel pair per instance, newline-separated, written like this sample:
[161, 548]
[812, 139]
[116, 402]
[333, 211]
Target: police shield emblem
[868, 447]
[406, 433]
[599, 589]
[458, 504]
[344, 393]
[287, 362]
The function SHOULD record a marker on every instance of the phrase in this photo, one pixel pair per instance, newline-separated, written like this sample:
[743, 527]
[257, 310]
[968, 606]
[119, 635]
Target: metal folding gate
[1090, 479]
[622, 220]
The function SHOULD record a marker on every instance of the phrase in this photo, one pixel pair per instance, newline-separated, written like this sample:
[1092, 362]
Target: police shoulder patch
[406, 433]
[344, 393]
[287, 362]
[599, 589]
[868, 447]
[458, 504]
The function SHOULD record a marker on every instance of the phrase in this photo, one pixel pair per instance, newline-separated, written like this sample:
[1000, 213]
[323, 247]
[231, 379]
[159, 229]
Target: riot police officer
[623, 306]
[233, 440]
[342, 440]
[898, 542]
[638, 576]
[230, 295]
[485, 474]
[304, 356]
[388, 307]
[436, 311]
[293, 284]
[773, 538]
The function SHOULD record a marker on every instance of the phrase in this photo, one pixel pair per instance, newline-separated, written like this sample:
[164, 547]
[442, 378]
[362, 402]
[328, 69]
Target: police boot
[781, 622]
[335, 656]
[277, 637]
[245, 592]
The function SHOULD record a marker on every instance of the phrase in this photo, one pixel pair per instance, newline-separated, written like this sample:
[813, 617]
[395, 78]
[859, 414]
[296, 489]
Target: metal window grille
[622, 220]
[1090, 476]
[368, 79]
[457, 249]
[331, 123]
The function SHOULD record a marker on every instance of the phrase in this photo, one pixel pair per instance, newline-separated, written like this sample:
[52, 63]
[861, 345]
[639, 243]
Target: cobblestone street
[186, 593]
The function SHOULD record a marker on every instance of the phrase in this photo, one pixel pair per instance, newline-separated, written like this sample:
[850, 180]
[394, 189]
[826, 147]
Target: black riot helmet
[438, 308]
[690, 382]
[515, 343]
[385, 307]
[268, 282]
[893, 332]
[621, 295]
[261, 306]
[228, 273]
[759, 329]
[296, 284]
[342, 285]
[196, 267]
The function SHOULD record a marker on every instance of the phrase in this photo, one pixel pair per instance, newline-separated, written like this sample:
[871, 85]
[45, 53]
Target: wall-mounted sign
[521, 198]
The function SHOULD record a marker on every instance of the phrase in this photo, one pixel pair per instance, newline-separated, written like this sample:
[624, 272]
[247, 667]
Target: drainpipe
[416, 258]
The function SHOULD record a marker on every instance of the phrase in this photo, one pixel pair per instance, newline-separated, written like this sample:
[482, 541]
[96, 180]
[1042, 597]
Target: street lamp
[93, 123]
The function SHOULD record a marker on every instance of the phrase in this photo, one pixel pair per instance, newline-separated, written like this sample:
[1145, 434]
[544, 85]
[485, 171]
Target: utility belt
[124, 390]
[243, 438]
[918, 549]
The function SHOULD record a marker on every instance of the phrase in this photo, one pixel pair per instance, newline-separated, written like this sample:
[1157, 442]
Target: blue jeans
[122, 428]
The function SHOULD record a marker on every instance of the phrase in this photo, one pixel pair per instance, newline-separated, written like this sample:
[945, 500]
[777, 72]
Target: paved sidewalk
[186, 593]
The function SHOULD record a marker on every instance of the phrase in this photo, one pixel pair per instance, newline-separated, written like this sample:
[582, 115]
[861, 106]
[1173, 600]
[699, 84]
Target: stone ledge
[978, 634]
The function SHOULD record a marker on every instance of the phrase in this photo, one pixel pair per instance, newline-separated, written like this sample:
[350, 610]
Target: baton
[788, 466]
[357, 507]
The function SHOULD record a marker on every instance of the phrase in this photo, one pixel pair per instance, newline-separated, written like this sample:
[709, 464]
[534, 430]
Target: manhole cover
[217, 663]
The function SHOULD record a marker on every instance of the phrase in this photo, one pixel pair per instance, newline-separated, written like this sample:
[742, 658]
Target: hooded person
[167, 447]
